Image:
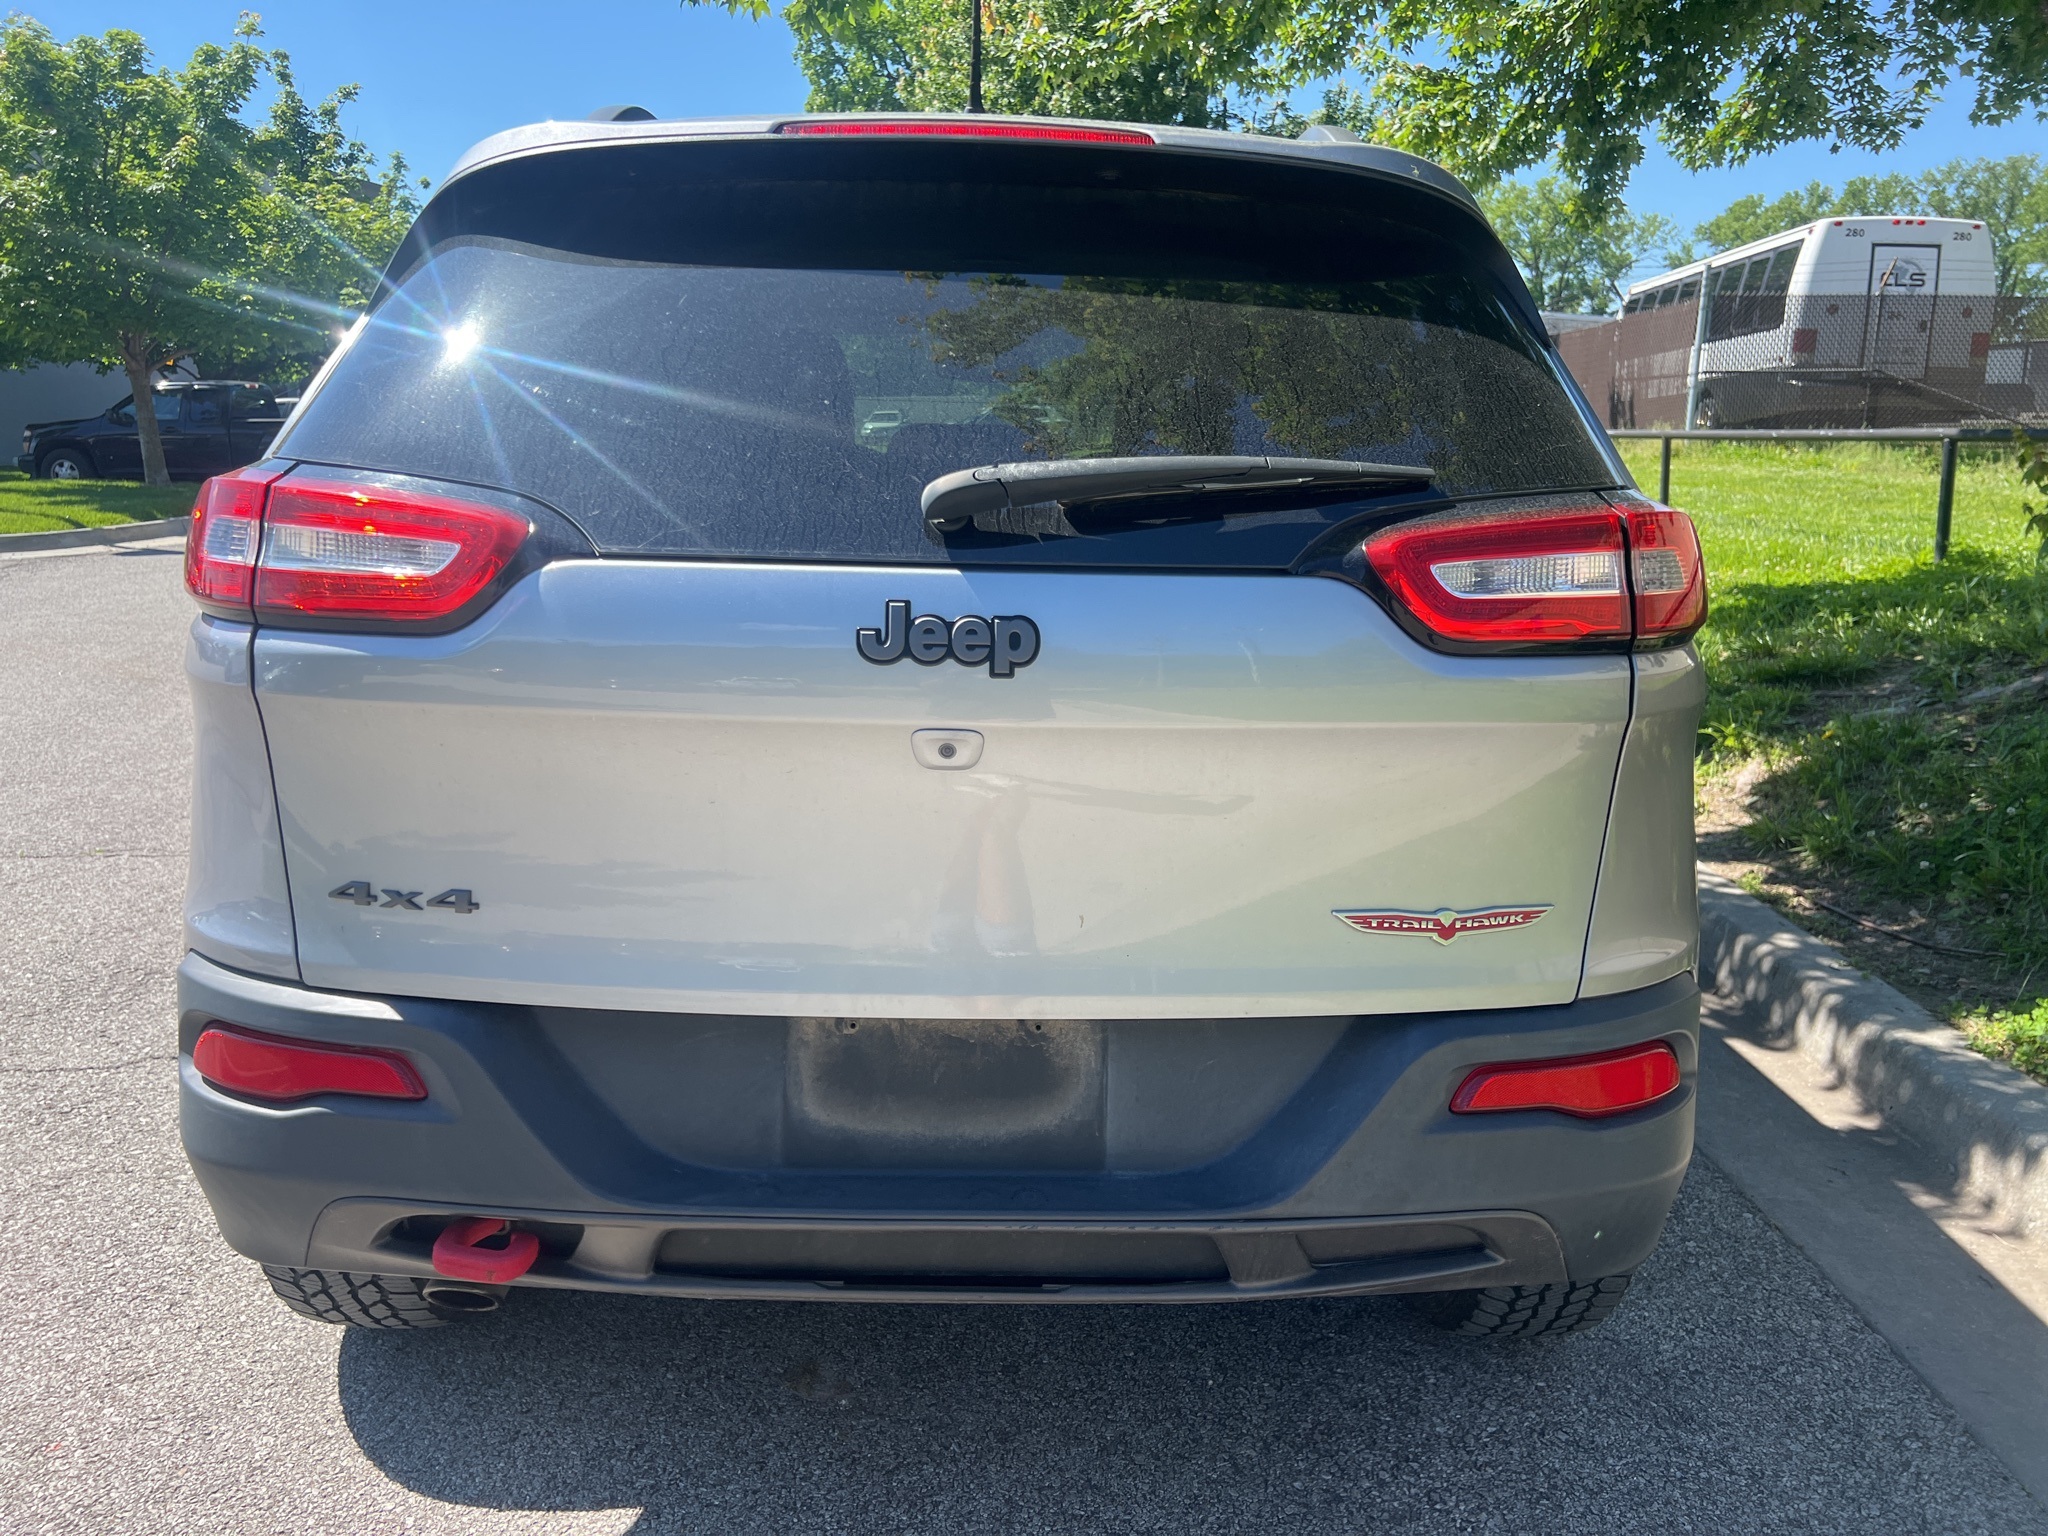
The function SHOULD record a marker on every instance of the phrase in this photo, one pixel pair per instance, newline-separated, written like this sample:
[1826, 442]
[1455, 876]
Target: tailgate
[679, 785]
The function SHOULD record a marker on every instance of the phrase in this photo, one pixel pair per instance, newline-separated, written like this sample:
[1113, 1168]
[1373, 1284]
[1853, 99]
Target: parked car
[207, 429]
[1231, 840]
[880, 425]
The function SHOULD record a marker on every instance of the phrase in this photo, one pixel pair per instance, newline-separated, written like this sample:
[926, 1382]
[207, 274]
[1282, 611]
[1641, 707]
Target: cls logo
[1005, 643]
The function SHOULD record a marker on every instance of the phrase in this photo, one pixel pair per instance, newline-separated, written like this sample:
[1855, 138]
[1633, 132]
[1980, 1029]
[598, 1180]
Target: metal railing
[1950, 439]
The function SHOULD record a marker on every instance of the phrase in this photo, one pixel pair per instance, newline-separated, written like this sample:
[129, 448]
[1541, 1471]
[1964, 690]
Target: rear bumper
[1353, 1179]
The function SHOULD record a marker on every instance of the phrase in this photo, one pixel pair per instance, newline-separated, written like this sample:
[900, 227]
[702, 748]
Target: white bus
[1812, 323]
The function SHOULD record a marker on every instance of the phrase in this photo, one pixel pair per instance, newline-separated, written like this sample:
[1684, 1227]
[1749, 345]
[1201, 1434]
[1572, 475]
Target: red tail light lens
[220, 550]
[1667, 573]
[263, 544]
[940, 128]
[366, 552]
[1569, 576]
[279, 1070]
[1591, 1087]
[1510, 579]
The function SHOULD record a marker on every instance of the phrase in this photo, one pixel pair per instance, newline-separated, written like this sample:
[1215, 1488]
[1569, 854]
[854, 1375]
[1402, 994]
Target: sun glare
[457, 342]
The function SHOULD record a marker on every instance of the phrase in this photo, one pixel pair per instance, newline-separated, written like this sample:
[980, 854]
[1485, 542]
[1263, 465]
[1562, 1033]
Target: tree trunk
[138, 358]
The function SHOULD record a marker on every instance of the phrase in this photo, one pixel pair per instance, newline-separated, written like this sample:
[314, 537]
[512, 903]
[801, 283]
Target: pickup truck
[207, 429]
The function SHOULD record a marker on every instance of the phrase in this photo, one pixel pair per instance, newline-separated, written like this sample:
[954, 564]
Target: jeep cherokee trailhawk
[943, 709]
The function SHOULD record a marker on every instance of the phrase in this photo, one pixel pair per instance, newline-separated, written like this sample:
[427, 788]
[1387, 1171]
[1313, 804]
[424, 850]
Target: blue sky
[437, 75]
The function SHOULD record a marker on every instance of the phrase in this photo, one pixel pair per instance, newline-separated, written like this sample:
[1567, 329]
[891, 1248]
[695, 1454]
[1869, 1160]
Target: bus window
[1688, 290]
[1631, 306]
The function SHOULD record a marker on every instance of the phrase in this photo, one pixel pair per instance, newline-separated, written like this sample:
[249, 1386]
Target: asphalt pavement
[149, 1383]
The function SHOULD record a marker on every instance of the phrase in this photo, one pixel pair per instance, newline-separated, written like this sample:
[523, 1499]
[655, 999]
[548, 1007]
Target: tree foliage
[2010, 197]
[1489, 89]
[913, 56]
[1573, 262]
[143, 219]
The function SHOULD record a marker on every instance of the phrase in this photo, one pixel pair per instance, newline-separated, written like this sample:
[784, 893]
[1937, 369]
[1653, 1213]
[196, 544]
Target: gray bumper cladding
[1155, 1160]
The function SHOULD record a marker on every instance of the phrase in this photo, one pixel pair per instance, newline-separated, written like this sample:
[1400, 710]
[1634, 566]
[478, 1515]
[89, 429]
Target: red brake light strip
[953, 128]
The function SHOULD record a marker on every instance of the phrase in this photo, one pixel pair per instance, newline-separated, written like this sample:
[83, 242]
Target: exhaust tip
[454, 1296]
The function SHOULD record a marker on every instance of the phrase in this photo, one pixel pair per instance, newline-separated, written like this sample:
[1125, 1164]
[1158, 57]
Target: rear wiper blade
[951, 500]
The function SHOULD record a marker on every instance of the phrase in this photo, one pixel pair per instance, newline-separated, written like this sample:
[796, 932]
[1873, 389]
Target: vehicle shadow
[1329, 1415]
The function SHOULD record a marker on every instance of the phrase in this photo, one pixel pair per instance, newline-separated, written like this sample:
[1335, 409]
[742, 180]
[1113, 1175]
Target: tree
[1490, 89]
[141, 219]
[912, 56]
[1572, 262]
[2009, 196]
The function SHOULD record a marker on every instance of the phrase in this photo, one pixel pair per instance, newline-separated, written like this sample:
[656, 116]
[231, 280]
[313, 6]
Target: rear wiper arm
[951, 500]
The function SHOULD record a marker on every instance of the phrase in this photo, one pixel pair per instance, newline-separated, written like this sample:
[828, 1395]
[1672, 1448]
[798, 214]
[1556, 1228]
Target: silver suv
[1200, 810]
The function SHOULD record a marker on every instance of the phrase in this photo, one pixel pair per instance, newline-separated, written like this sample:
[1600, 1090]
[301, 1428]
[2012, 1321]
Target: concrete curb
[1989, 1121]
[73, 538]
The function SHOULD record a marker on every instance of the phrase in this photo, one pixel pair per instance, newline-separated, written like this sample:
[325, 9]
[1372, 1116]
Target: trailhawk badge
[1444, 925]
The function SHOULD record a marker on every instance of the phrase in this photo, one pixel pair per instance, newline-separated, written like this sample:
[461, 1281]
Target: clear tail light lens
[220, 549]
[1530, 579]
[365, 552]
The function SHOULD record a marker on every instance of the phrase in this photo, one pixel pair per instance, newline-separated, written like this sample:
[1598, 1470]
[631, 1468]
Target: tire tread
[355, 1301]
[1525, 1311]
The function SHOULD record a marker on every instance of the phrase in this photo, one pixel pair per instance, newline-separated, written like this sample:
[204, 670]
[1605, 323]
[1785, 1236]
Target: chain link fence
[1836, 361]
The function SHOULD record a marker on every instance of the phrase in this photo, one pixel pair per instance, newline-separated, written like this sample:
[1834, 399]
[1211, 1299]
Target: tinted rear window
[720, 363]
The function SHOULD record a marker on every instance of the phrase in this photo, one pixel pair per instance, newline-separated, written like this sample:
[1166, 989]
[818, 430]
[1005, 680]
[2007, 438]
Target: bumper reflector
[280, 1070]
[1611, 1083]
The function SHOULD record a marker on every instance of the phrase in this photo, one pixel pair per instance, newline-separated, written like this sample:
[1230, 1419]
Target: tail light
[280, 1070]
[311, 548]
[1980, 343]
[1591, 1087]
[1805, 338]
[361, 552]
[1516, 580]
[220, 549]
[1666, 572]
[944, 128]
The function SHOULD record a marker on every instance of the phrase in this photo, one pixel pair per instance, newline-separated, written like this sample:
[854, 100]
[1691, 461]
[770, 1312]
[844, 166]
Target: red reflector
[1509, 578]
[220, 550]
[280, 1070]
[1667, 573]
[371, 552]
[1611, 1083]
[944, 128]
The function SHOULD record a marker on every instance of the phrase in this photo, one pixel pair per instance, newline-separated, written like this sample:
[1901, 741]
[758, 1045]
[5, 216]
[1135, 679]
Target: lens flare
[457, 342]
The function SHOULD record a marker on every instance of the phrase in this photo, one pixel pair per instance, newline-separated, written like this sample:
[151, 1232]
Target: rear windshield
[745, 378]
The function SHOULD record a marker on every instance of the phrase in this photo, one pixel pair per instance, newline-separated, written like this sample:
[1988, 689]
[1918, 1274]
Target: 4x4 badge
[1005, 643]
[1443, 925]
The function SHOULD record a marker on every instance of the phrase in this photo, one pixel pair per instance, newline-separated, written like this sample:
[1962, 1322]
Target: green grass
[46, 506]
[1837, 655]
[2020, 1038]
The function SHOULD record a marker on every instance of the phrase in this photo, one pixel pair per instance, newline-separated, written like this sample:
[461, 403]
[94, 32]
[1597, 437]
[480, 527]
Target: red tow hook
[460, 1254]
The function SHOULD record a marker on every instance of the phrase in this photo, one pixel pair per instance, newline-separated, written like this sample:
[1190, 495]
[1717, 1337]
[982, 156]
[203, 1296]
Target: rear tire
[1524, 1311]
[357, 1301]
[65, 464]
